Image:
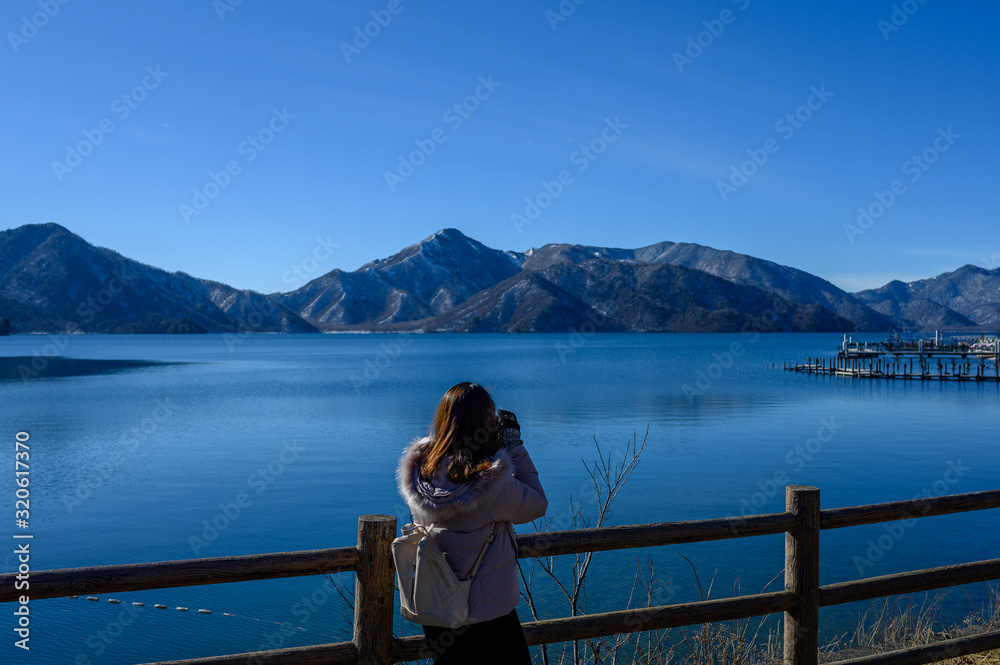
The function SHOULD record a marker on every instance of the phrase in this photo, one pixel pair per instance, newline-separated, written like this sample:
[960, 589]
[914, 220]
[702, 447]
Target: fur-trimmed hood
[440, 499]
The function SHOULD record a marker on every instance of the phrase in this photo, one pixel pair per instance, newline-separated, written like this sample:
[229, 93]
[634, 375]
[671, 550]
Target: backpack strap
[482, 553]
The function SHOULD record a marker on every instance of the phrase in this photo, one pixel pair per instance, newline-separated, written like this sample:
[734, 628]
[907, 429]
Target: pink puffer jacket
[463, 515]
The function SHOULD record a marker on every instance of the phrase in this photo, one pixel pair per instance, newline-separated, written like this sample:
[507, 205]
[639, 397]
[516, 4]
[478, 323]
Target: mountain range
[51, 280]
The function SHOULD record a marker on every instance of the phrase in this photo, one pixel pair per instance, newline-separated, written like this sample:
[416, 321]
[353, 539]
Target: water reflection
[39, 367]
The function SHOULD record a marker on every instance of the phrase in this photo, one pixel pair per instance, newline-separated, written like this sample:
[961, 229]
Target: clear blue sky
[204, 82]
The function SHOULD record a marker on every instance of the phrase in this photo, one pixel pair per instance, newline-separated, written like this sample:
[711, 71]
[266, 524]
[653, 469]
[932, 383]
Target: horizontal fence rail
[341, 653]
[628, 621]
[931, 653]
[553, 543]
[838, 518]
[373, 642]
[183, 572]
[911, 582]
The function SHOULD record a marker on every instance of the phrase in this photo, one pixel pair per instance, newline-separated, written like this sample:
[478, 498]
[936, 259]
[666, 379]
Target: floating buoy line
[181, 608]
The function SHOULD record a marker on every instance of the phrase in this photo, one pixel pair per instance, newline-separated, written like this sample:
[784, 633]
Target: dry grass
[899, 623]
[888, 625]
[985, 658]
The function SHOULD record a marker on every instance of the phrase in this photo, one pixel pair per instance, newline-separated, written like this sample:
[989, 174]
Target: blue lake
[134, 463]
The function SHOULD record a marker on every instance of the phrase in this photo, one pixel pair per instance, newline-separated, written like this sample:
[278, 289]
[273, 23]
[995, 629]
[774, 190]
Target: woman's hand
[510, 430]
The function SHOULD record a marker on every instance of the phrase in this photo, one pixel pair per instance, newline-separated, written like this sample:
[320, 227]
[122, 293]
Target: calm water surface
[140, 463]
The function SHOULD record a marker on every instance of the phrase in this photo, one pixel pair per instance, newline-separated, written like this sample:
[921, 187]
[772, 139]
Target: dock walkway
[954, 358]
[872, 367]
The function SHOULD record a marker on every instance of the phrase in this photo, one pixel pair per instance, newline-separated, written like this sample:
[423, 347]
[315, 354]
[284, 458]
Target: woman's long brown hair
[465, 427]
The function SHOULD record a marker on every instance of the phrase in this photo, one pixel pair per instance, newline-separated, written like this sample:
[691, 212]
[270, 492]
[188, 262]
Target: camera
[507, 419]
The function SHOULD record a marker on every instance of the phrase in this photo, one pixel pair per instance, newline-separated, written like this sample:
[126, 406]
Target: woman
[472, 477]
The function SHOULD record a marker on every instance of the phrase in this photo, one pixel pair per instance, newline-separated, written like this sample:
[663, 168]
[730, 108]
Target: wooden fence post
[373, 590]
[801, 642]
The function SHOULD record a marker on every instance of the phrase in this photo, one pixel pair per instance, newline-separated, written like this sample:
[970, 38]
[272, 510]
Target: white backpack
[429, 591]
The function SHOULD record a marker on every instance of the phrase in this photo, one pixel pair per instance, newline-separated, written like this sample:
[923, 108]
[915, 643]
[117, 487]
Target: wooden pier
[952, 358]
[912, 368]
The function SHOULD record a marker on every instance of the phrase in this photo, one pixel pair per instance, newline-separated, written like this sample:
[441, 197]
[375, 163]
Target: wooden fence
[374, 644]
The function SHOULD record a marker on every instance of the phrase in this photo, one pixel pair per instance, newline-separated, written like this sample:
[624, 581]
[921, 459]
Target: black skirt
[499, 640]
